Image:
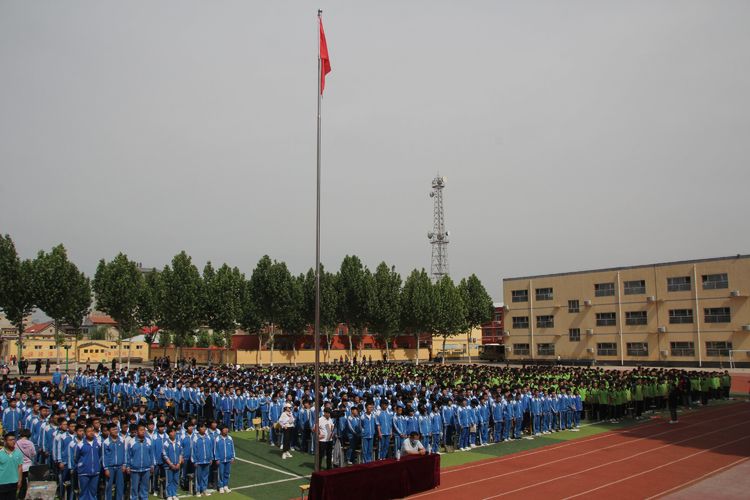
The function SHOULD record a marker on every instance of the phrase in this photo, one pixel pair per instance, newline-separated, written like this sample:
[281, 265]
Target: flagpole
[317, 269]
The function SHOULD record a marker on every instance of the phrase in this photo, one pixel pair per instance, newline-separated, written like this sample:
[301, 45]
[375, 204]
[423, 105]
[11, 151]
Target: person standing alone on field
[674, 398]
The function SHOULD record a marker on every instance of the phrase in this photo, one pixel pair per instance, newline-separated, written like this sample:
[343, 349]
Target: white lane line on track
[667, 464]
[630, 457]
[576, 455]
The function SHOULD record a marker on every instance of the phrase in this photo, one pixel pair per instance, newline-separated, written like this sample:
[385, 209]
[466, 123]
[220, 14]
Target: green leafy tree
[218, 340]
[417, 305]
[148, 300]
[386, 304]
[449, 316]
[328, 304]
[165, 339]
[270, 287]
[203, 339]
[355, 290]
[293, 321]
[478, 304]
[221, 301]
[180, 300]
[119, 287]
[187, 340]
[17, 299]
[99, 333]
[62, 291]
[249, 319]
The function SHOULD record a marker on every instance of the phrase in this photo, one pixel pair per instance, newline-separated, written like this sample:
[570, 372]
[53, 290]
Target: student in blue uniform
[354, 431]
[425, 426]
[173, 460]
[224, 454]
[202, 455]
[385, 426]
[578, 405]
[497, 419]
[368, 433]
[139, 462]
[517, 416]
[12, 417]
[399, 430]
[113, 461]
[535, 409]
[463, 419]
[448, 412]
[436, 426]
[88, 460]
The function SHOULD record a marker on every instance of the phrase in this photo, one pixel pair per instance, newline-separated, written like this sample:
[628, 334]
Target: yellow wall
[581, 286]
[45, 348]
[308, 356]
[474, 339]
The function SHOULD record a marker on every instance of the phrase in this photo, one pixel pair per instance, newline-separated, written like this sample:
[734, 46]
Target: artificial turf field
[260, 473]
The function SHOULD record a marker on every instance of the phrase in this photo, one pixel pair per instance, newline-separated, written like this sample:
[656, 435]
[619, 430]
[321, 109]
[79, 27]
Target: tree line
[181, 300]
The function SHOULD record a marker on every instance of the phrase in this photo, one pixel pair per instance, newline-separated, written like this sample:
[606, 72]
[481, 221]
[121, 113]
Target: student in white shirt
[412, 446]
[325, 436]
[286, 421]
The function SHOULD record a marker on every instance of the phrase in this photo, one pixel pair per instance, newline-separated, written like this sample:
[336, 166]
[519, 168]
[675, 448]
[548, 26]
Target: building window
[637, 348]
[680, 316]
[678, 284]
[520, 321]
[718, 348]
[574, 334]
[635, 287]
[604, 289]
[139, 347]
[547, 321]
[606, 349]
[498, 317]
[682, 348]
[574, 306]
[715, 281]
[543, 294]
[606, 319]
[545, 349]
[38, 347]
[521, 349]
[717, 315]
[636, 318]
[519, 295]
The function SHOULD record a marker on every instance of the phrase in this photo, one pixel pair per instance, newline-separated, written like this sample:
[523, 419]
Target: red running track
[638, 462]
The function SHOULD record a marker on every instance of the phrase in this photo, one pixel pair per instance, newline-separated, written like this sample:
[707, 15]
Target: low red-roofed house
[99, 321]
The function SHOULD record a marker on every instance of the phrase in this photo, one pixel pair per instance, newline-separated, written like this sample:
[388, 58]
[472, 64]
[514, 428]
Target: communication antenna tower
[438, 236]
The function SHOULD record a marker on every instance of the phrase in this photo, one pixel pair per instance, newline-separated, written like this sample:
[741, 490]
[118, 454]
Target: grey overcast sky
[574, 134]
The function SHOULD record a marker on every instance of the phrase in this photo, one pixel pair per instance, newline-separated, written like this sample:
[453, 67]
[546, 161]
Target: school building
[689, 313]
[39, 343]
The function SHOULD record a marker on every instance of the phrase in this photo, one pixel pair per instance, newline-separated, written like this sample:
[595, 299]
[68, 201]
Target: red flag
[325, 62]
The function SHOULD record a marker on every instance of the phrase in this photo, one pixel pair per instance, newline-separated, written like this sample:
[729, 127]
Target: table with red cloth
[382, 479]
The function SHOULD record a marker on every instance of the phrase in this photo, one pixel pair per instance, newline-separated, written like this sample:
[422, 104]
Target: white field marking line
[574, 456]
[698, 479]
[556, 446]
[256, 485]
[269, 482]
[616, 461]
[296, 476]
[631, 476]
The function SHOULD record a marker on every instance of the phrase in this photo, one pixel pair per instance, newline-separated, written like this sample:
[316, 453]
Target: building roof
[100, 319]
[38, 327]
[658, 264]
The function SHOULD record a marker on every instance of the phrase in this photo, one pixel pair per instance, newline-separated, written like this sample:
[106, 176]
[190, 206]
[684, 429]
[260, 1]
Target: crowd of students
[105, 433]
